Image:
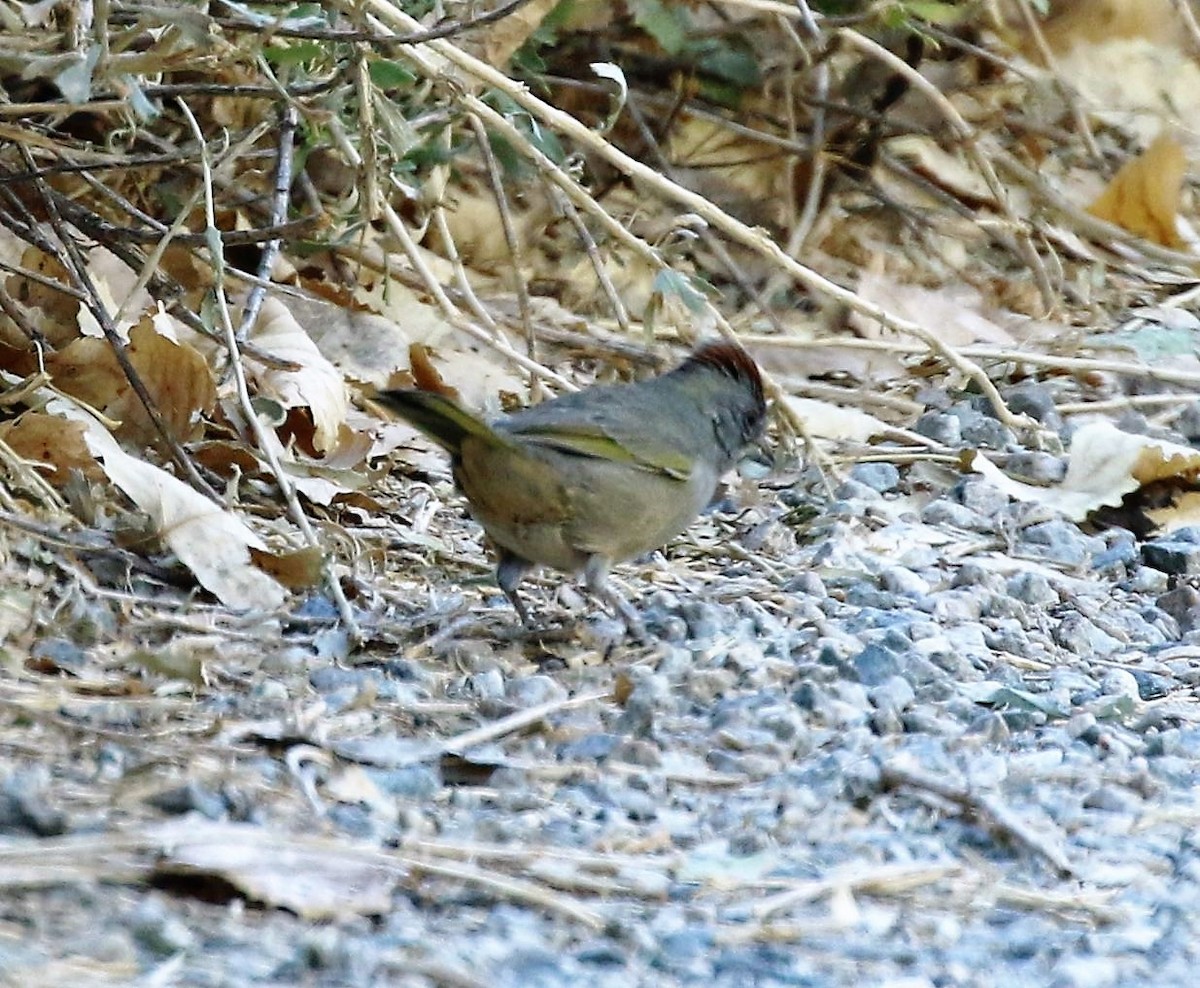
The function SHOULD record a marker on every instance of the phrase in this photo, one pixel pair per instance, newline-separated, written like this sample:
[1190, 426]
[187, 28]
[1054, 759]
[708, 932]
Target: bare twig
[986, 808]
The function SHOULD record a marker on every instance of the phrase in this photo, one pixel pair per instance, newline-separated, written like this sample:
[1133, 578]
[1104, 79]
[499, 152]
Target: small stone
[1120, 682]
[529, 691]
[897, 579]
[408, 781]
[1042, 469]
[979, 428]
[881, 477]
[1059, 541]
[160, 932]
[1147, 580]
[974, 574]
[894, 694]
[955, 606]
[1152, 686]
[191, 797]
[1081, 637]
[940, 427]
[589, 748]
[638, 751]
[1033, 589]
[487, 685]
[949, 514]
[1120, 554]
[980, 496]
[1081, 724]
[1174, 556]
[852, 490]
[1036, 401]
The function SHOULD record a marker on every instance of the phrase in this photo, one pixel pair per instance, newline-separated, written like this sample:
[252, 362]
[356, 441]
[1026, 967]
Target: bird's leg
[595, 575]
[510, 571]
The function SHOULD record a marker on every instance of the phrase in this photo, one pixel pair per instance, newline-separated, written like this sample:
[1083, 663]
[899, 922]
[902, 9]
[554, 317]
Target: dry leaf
[959, 177]
[297, 569]
[210, 541]
[54, 441]
[425, 374]
[176, 376]
[51, 312]
[502, 39]
[953, 314]
[315, 879]
[1106, 464]
[1087, 22]
[317, 385]
[828, 421]
[1143, 196]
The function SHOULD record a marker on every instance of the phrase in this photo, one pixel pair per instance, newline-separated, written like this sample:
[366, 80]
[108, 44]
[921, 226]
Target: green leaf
[936, 12]
[293, 54]
[733, 65]
[390, 75]
[669, 26]
[670, 282]
[305, 14]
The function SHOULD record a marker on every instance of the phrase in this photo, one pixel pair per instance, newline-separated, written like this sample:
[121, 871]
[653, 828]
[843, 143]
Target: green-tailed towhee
[600, 475]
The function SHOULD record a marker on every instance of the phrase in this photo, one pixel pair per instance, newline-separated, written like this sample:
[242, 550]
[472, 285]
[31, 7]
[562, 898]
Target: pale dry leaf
[317, 385]
[1074, 23]
[323, 480]
[827, 421]
[1106, 464]
[115, 284]
[1156, 84]
[1183, 512]
[476, 226]
[210, 541]
[297, 569]
[950, 171]
[1143, 196]
[952, 314]
[315, 880]
[367, 346]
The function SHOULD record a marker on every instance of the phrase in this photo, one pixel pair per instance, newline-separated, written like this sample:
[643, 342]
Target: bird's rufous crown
[731, 360]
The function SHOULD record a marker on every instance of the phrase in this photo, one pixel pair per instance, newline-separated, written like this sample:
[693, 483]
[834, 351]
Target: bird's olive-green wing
[594, 440]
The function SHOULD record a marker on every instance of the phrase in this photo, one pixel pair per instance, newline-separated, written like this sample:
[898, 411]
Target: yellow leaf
[1143, 196]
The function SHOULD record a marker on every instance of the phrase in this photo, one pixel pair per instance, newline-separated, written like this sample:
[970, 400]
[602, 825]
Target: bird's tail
[442, 419]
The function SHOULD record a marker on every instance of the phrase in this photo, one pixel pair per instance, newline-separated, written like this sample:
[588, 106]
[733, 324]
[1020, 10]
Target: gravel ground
[915, 734]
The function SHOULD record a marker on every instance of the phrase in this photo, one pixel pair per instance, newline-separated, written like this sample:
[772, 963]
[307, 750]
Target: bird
[600, 475]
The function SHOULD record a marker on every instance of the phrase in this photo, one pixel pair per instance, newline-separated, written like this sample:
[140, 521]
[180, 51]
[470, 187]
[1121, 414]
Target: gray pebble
[980, 496]
[940, 427]
[1032, 588]
[880, 477]
[1037, 401]
[1174, 556]
[1059, 541]
[529, 691]
[1043, 469]
[159, 931]
[894, 694]
[1120, 682]
[486, 685]
[944, 512]
[853, 490]
[897, 579]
